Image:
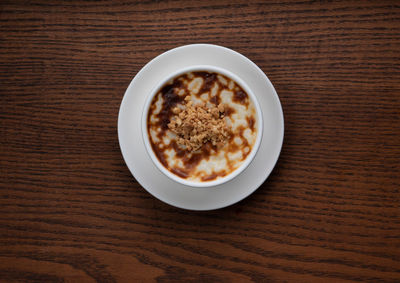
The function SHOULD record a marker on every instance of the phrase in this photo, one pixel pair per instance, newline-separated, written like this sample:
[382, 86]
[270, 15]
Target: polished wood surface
[71, 210]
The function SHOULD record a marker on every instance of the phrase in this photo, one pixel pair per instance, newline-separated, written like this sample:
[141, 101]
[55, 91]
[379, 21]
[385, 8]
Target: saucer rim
[215, 193]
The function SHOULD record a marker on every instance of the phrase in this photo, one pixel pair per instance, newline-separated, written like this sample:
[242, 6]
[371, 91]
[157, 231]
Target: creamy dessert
[202, 125]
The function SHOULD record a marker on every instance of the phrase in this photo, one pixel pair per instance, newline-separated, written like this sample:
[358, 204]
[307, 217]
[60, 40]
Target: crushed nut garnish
[195, 125]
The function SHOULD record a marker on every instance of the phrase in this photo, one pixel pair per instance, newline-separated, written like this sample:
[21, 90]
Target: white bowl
[249, 157]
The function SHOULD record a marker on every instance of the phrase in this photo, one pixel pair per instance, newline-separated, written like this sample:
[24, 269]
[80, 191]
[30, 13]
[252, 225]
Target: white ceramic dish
[150, 151]
[139, 162]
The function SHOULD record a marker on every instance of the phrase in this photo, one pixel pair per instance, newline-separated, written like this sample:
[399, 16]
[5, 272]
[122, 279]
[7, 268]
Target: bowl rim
[146, 138]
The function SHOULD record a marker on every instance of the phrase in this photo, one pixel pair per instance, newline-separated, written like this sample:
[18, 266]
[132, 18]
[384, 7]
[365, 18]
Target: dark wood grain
[70, 211]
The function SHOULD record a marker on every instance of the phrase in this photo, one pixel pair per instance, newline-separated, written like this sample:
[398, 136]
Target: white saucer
[138, 160]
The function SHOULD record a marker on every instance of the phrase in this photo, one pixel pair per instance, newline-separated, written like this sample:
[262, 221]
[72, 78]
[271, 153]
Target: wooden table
[71, 210]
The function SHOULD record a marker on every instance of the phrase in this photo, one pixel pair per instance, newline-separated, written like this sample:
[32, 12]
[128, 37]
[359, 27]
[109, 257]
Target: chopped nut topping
[196, 125]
